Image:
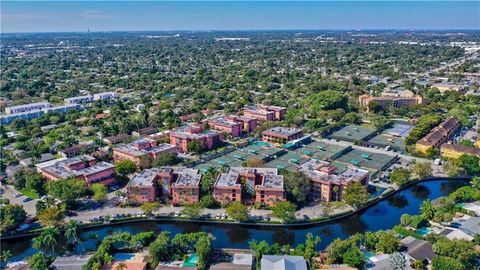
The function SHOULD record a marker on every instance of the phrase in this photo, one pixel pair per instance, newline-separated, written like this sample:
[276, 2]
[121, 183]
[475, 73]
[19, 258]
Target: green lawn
[29, 193]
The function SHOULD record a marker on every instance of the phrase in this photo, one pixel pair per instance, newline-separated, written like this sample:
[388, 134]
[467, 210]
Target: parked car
[17, 195]
[27, 199]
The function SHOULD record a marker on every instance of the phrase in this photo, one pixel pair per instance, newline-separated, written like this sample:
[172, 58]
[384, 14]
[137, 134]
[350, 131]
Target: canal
[384, 215]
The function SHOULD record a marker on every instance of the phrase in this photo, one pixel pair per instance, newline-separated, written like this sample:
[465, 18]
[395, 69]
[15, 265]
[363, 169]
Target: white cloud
[95, 14]
[26, 16]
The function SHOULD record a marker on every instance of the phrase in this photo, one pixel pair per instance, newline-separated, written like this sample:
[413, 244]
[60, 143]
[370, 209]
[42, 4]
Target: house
[43, 158]
[186, 189]
[283, 262]
[454, 151]
[240, 262]
[126, 265]
[81, 167]
[72, 151]
[142, 151]
[144, 131]
[123, 137]
[183, 136]
[326, 184]
[263, 184]
[417, 249]
[438, 136]
[469, 225]
[281, 135]
[396, 100]
[76, 262]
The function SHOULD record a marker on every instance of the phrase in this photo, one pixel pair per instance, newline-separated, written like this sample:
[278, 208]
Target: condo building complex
[27, 107]
[396, 100]
[263, 186]
[142, 151]
[265, 113]
[281, 135]
[181, 137]
[326, 183]
[438, 136]
[82, 167]
[179, 184]
[233, 125]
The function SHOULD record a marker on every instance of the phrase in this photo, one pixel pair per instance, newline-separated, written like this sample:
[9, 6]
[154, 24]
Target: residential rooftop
[187, 177]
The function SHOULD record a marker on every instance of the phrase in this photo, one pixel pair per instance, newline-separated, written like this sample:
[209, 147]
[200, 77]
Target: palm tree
[72, 230]
[38, 242]
[49, 237]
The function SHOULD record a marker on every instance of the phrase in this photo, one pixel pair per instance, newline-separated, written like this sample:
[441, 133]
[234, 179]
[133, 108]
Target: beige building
[404, 98]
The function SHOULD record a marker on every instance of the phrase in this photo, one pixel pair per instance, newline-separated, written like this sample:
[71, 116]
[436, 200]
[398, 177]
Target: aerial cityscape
[163, 135]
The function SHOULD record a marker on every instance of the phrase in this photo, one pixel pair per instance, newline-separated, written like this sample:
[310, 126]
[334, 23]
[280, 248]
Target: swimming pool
[192, 261]
[423, 231]
[123, 256]
[368, 254]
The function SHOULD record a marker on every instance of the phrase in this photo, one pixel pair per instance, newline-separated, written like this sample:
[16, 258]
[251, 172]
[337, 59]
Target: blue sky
[66, 16]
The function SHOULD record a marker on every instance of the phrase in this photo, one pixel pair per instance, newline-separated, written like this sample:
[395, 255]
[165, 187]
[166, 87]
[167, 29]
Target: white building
[64, 108]
[27, 107]
[29, 115]
[105, 96]
[79, 100]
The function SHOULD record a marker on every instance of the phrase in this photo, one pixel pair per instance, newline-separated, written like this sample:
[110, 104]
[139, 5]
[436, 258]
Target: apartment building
[27, 107]
[186, 188]
[36, 113]
[265, 113]
[79, 100]
[82, 167]
[142, 151]
[182, 136]
[226, 125]
[396, 100]
[438, 136]
[326, 183]
[281, 135]
[105, 96]
[263, 184]
[454, 151]
[233, 125]
[9, 118]
[144, 186]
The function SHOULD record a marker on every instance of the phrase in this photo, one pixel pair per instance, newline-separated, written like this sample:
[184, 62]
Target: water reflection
[398, 201]
[353, 225]
[237, 234]
[326, 232]
[420, 192]
[448, 187]
[284, 237]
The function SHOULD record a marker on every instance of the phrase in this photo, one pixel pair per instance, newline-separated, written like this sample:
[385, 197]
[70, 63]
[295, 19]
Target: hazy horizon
[149, 16]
